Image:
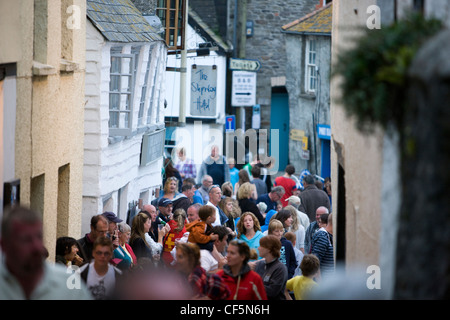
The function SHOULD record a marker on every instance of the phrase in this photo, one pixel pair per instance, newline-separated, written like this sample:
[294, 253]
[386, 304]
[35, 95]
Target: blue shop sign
[324, 131]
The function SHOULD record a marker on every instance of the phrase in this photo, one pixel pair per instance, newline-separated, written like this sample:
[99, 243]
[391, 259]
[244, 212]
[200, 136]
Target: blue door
[279, 119]
[325, 159]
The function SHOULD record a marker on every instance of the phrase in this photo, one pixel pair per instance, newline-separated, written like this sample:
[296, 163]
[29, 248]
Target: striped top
[322, 247]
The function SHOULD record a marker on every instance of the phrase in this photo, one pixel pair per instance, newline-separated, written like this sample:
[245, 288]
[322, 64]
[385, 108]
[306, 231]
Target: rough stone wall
[268, 44]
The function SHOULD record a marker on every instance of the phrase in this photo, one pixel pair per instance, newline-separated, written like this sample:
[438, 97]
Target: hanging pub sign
[203, 90]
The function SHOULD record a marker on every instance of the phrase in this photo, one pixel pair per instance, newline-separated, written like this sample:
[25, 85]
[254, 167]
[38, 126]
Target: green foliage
[374, 73]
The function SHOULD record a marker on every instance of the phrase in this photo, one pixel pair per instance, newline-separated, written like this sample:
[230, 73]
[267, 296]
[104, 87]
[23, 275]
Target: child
[304, 284]
[287, 250]
[177, 230]
[298, 254]
[200, 230]
[249, 230]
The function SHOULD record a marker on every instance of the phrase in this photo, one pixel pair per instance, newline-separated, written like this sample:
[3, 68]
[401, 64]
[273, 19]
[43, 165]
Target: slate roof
[317, 22]
[120, 21]
[208, 34]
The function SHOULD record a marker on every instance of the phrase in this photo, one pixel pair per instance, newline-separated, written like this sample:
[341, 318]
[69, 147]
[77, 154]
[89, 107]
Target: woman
[185, 166]
[285, 217]
[246, 203]
[203, 285]
[245, 178]
[244, 283]
[249, 230]
[171, 172]
[67, 252]
[176, 232]
[297, 228]
[170, 189]
[124, 256]
[271, 270]
[228, 207]
[142, 244]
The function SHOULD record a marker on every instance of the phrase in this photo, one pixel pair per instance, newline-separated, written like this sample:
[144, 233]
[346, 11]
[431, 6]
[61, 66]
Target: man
[312, 198]
[216, 166]
[165, 207]
[322, 246]
[113, 220]
[185, 198]
[24, 274]
[207, 260]
[312, 228]
[192, 212]
[99, 228]
[197, 197]
[207, 182]
[287, 183]
[100, 276]
[260, 185]
[271, 198]
[151, 210]
[215, 195]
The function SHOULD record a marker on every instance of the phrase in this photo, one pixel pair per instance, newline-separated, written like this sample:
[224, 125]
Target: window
[121, 87]
[171, 14]
[311, 67]
[144, 89]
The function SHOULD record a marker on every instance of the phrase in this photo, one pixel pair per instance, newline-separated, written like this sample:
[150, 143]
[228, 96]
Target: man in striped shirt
[322, 247]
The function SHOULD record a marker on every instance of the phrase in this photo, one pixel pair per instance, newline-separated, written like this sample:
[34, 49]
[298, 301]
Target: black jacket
[249, 205]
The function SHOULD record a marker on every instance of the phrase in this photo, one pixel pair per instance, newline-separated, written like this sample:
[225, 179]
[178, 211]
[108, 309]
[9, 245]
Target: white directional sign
[243, 91]
[244, 64]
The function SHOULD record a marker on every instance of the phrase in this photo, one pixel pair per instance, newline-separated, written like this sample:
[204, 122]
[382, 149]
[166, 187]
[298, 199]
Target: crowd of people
[230, 234]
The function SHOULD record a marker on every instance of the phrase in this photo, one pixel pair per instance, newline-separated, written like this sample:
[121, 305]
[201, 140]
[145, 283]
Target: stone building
[308, 51]
[124, 119]
[42, 55]
[265, 42]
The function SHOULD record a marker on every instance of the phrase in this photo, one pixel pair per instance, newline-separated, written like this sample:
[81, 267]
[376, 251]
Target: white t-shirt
[217, 221]
[207, 261]
[101, 287]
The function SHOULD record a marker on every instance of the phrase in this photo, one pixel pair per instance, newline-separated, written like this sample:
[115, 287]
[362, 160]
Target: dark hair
[290, 169]
[324, 218]
[186, 186]
[96, 219]
[256, 171]
[205, 212]
[244, 249]
[64, 245]
[221, 231]
[309, 179]
[283, 215]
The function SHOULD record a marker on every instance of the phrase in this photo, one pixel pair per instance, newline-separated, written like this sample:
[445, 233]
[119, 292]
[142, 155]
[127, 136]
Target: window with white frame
[311, 66]
[144, 89]
[121, 89]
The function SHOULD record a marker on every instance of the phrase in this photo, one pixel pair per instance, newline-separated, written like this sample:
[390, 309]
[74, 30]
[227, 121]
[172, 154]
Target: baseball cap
[164, 202]
[111, 217]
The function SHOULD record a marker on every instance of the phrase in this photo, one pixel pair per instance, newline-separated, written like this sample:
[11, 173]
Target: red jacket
[251, 286]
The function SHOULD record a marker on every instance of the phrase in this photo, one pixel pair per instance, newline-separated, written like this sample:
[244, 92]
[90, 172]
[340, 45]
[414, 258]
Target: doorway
[279, 119]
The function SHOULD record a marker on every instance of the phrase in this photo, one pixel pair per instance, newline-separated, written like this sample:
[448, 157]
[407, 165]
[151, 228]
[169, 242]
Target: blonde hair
[245, 191]
[240, 225]
[274, 225]
[180, 217]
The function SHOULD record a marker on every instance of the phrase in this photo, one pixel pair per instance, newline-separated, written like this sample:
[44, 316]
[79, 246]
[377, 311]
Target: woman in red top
[244, 284]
